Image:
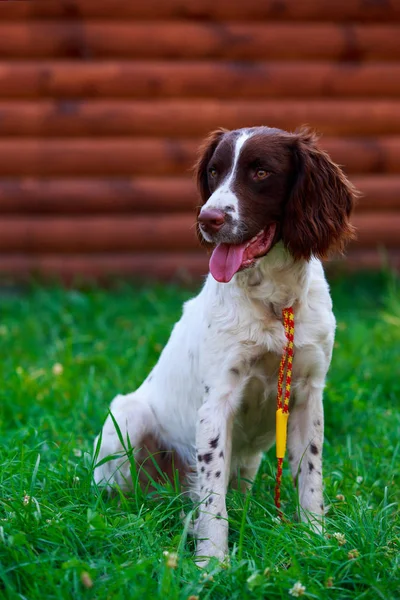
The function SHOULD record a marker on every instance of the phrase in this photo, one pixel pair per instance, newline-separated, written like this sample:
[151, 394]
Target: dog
[273, 204]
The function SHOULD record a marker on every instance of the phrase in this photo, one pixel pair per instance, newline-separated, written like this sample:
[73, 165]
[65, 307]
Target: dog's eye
[212, 172]
[260, 174]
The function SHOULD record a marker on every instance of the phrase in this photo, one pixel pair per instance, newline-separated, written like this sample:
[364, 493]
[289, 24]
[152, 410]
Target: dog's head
[262, 185]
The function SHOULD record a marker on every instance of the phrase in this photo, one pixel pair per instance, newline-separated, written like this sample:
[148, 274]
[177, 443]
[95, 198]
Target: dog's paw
[313, 520]
[207, 550]
[202, 561]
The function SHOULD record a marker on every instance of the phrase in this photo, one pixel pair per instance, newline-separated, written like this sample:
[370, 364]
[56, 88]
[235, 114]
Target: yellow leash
[283, 398]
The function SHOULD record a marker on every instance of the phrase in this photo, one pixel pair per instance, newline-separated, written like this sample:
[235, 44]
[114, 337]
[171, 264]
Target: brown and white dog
[273, 205]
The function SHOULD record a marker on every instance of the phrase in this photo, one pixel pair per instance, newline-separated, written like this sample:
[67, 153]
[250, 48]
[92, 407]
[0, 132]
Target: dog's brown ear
[316, 221]
[206, 151]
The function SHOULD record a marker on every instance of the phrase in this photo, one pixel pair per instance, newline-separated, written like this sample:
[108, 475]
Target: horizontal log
[319, 10]
[199, 40]
[379, 193]
[91, 196]
[377, 229]
[149, 195]
[224, 79]
[99, 234]
[175, 117]
[154, 157]
[64, 157]
[358, 260]
[80, 268]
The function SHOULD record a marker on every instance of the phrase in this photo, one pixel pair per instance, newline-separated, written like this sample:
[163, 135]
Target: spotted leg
[305, 441]
[213, 444]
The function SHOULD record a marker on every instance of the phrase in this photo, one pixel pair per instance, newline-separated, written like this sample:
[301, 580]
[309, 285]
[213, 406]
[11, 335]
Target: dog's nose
[211, 220]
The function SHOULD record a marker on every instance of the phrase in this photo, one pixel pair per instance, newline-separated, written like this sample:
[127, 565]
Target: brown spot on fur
[214, 442]
[152, 459]
[207, 457]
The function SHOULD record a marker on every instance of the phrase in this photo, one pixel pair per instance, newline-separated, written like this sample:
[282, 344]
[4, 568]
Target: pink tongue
[226, 260]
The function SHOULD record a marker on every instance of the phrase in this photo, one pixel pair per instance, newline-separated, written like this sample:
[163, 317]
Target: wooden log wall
[103, 104]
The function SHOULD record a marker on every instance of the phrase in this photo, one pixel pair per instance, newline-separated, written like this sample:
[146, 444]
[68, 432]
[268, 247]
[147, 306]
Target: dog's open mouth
[228, 259]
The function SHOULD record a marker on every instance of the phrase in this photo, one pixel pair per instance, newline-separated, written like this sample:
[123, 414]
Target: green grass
[59, 538]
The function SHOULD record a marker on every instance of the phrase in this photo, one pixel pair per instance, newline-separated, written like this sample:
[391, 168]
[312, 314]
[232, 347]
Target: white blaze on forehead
[223, 195]
[243, 137]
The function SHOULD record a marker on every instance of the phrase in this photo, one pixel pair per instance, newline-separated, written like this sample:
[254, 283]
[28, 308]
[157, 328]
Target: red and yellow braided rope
[282, 401]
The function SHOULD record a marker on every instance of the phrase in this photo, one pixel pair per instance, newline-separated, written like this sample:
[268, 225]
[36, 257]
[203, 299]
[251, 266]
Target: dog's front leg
[305, 441]
[213, 449]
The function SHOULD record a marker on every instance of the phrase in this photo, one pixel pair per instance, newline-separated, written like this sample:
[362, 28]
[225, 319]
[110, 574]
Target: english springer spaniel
[273, 205]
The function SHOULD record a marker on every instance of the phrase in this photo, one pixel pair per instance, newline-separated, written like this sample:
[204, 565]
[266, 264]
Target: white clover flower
[297, 590]
[359, 479]
[86, 580]
[341, 540]
[57, 369]
[171, 559]
[276, 520]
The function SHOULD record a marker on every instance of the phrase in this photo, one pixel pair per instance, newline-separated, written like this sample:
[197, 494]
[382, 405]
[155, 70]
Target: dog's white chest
[254, 428]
